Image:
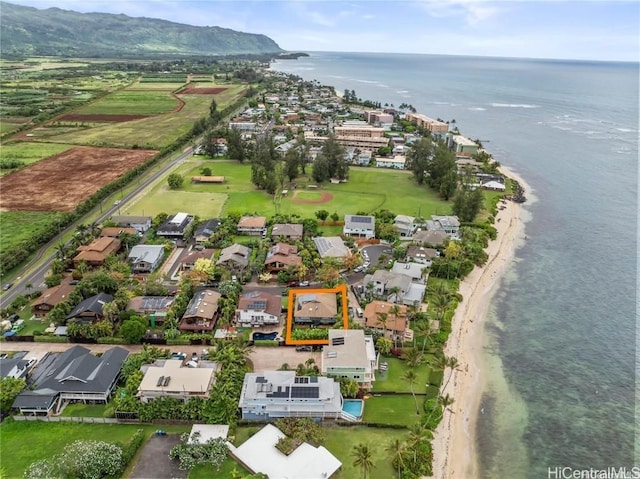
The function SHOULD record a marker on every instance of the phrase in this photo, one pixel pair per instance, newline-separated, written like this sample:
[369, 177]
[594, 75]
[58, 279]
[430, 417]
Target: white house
[361, 226]
[258, 308]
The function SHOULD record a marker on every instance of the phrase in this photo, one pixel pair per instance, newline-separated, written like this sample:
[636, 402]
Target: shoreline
[454, 448]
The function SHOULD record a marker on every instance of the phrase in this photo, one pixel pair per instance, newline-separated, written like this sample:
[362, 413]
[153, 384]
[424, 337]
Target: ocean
[562, 343]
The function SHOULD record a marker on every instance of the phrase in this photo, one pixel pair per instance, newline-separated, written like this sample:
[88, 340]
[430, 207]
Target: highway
[35, 272]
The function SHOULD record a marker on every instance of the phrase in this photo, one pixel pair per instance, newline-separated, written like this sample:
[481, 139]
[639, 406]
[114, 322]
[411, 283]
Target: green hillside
[29, 31]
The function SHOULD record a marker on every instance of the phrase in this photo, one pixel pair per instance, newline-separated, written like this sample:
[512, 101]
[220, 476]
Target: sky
[571, 29]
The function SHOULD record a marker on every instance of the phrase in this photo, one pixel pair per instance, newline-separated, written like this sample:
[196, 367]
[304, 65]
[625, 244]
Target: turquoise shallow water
[562, 329]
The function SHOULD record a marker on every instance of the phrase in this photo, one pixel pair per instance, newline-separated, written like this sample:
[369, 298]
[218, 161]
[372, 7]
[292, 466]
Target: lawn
[18, 226]
[394, 190]
[392, 381]
[84, 410]
[31, 441]
[392, 409]
[153, 132]
[30, 152]
[131, 103]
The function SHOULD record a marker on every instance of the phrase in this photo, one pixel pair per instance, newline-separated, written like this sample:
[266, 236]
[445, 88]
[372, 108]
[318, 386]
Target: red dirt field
[61, 182]
[194, 90]
[324, 198]
[100, 118]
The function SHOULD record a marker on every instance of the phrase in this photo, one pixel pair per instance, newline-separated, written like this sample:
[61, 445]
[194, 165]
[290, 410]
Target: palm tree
[423, 329]
[382, 320]
[410, 376]
[446, 401]
[452, 363]
[413, 357]
[362, 454]
[396, 449]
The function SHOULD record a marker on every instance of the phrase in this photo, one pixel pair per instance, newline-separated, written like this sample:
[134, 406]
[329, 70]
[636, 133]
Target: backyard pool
[265, 336]
[353, 407]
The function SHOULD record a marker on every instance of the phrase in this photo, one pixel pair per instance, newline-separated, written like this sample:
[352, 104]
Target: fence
[102, 420]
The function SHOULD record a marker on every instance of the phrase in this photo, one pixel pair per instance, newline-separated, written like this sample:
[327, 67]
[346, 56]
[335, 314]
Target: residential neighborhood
[225, 286]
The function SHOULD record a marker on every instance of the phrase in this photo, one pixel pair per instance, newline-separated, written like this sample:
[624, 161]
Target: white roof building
[259, 454]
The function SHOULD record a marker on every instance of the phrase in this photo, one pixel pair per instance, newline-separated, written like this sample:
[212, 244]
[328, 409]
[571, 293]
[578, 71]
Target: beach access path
[454, 444]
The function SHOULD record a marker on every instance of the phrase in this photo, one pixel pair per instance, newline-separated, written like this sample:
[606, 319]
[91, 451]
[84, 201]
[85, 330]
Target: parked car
[13, 318]
[304, 283]
[306, 349]
[7, 286]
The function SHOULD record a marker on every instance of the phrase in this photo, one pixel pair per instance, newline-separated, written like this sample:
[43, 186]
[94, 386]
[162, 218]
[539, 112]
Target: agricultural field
[368, 189]
[131, 103]
[154, 132]
[154, 86]
[19, 226]
[26, 153]
[63, 181]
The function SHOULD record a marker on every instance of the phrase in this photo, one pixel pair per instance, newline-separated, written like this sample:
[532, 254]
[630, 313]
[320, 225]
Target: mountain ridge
[59, 32]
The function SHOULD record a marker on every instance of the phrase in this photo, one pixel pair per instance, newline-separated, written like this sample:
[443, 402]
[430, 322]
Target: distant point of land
[291, 55]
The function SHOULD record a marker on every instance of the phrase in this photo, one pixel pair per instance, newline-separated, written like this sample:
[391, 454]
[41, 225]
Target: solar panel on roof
[361, 219]
[313, 379]
[337, 341]
[257, 305]
[261, 379]
[301, 380]
[302, 392]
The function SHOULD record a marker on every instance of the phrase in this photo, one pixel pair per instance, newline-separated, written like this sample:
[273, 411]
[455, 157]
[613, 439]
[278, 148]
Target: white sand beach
[454, 442]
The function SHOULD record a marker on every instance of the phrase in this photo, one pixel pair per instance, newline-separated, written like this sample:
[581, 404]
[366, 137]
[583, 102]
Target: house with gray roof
[234, 257]
[73, 375]
[331, 247]
[140, 223]
[205, 229]
[257, 308]
[360, 226]
[395, 287]
[404, 225]
[90, 310]
[176, 226]
[287, 231]
[448, 224]
[414, 270]
[430, 238]
[145, 258]
[16, 367]
[272, 395]
[422, 255]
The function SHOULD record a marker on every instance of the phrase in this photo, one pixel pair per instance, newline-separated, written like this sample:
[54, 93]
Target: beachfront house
[272, 395]
[172, 378]
[350, 354]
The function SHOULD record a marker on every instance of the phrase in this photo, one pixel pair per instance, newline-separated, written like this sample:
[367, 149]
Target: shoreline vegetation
[454, 449]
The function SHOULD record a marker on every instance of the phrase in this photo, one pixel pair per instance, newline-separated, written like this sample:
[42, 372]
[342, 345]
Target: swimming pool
[353, 407]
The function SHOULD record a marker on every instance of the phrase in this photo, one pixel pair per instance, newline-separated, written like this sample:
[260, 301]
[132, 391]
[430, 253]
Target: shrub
[268, 343]
[178, 342]
[49, 339]
[111, 340]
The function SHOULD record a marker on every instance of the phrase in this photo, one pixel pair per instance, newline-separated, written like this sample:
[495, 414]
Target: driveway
[269, 359]
[154, 460]
[375, 251]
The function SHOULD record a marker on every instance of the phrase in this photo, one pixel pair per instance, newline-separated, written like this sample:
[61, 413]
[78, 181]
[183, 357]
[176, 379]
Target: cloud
[472, 11]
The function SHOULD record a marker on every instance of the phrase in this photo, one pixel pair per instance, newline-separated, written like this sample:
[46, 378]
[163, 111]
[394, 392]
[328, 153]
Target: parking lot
[372, 253]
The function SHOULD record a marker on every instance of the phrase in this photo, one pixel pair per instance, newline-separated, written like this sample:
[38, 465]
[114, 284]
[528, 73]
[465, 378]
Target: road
[35, 272]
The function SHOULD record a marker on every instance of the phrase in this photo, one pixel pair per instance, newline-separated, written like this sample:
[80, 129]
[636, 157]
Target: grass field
[392, 409]
[392, 379]
[17, 226]
[394, 190]
[30, 152]
[31, 441]
[84, 410]
[131, 103]
[166, 86]
[154, 132]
